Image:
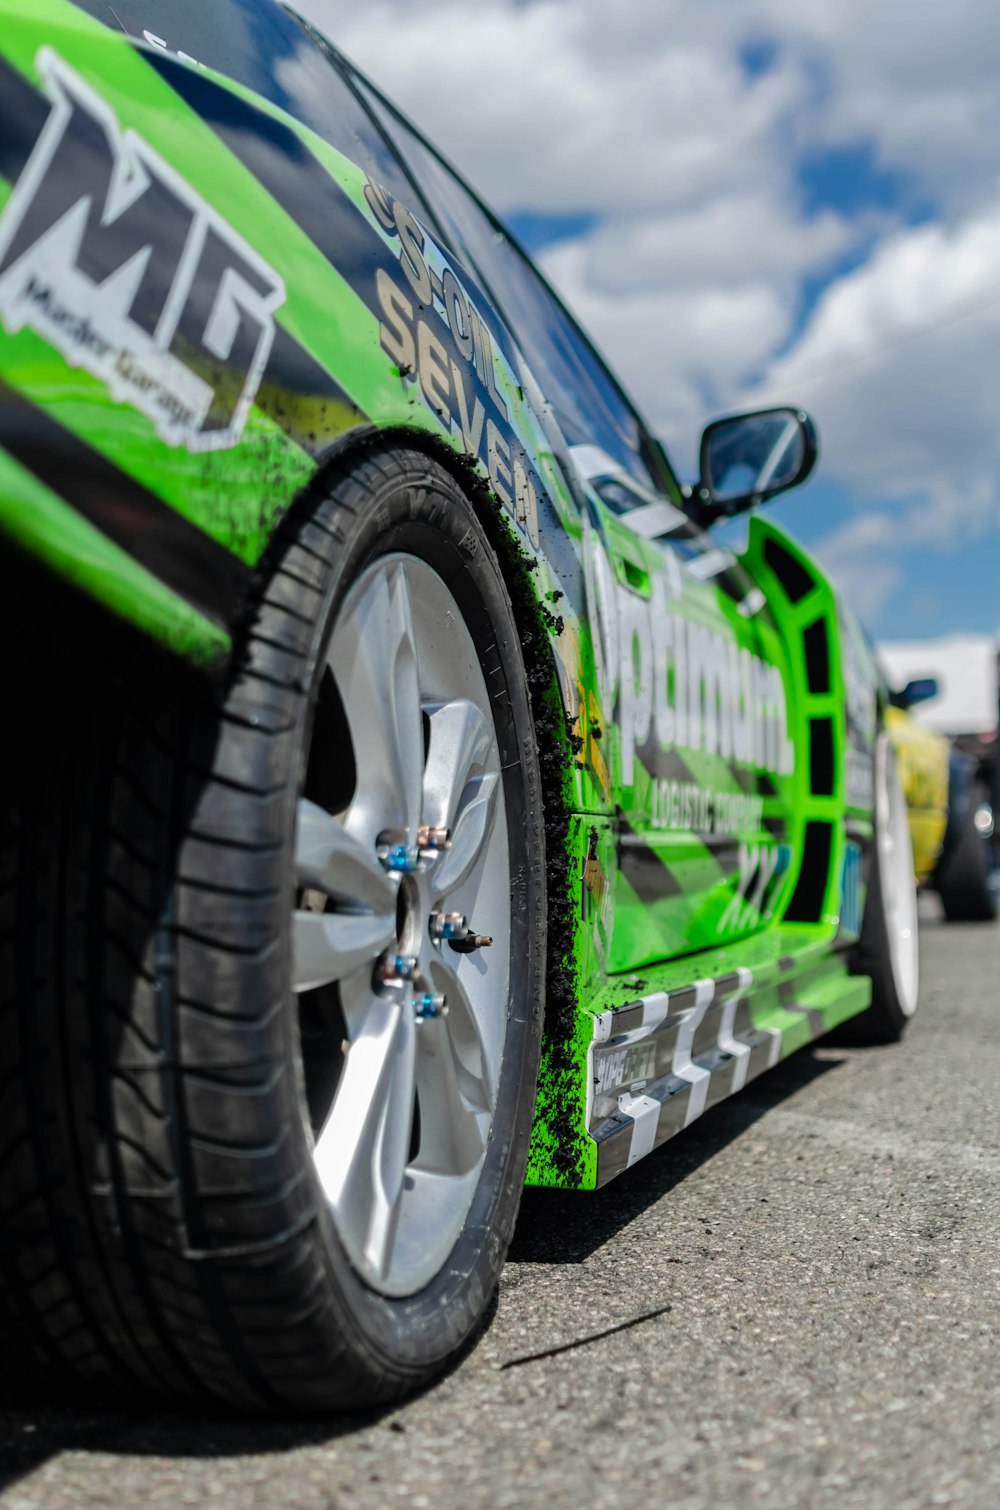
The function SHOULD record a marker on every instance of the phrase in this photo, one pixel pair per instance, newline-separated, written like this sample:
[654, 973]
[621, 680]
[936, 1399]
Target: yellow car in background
[950, 815]
[923, 760]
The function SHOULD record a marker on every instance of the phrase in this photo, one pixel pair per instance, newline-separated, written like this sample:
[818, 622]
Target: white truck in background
[965, 708]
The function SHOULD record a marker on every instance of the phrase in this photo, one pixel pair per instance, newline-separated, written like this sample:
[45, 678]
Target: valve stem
[469, 942]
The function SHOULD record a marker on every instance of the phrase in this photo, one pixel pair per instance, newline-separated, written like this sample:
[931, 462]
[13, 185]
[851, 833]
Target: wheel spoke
[451, 1141]
[327, 946]
[374, 659]
[461, 740]
[471, 830]
[470, 1053]
[460, 785]
[330, 859]
[362, 1150]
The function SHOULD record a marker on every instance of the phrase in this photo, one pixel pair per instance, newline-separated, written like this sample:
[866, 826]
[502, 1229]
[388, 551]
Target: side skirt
[657, 1063]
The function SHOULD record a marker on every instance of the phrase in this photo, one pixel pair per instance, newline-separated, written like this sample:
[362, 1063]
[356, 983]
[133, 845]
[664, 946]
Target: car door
[704, 752]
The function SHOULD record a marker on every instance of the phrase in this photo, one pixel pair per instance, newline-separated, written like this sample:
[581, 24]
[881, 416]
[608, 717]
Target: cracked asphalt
[795, 1303]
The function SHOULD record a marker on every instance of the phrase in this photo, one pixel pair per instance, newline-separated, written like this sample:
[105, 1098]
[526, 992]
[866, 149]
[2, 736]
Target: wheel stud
[447, 925]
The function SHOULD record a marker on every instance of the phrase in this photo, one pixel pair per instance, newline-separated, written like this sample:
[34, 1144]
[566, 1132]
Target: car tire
[887, 951]
[245, 1156]
[963, 877]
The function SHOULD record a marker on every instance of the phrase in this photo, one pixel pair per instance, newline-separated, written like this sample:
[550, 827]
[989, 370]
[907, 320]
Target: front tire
[244, 1155]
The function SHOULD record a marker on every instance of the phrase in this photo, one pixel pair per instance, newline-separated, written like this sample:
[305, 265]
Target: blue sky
[759, 200]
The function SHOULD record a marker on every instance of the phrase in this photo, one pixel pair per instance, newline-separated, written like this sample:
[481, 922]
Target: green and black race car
[404, 794]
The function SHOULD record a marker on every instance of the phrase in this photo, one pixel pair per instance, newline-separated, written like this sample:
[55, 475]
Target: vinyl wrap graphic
[202, 303]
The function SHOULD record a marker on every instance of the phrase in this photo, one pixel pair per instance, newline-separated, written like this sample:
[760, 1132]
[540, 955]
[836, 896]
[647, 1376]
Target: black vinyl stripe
[814, 872]
[644, 869]
[816, 643]
[209, 577]
[821, 757]
[665, 765]
[23, 113]
[793, 576]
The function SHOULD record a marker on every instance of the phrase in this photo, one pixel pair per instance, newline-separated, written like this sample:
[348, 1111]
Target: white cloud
[900, 361]
[707, 246]
[900, 357]
[918, 82]
[555, 106]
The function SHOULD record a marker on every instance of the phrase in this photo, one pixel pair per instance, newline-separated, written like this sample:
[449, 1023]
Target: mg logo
[109, 255]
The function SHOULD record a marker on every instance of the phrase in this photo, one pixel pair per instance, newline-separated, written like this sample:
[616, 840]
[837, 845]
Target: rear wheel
[888, 949]
[965, 880]
[268, 1088]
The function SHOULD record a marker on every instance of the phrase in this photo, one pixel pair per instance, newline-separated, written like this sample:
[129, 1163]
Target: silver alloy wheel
[899, 896]
[419, 860]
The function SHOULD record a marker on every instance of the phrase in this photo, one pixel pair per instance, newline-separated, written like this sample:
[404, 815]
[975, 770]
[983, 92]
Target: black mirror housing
[748, 458]
[919, 691]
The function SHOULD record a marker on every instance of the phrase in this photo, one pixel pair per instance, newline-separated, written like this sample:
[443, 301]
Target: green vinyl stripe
[219, 491]
[56, 533]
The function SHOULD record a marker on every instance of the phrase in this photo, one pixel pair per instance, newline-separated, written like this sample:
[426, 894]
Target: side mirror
[747, 458]
[919, 691]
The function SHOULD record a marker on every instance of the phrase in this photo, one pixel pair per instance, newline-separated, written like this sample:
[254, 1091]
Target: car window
[267, 49]
[587, 401]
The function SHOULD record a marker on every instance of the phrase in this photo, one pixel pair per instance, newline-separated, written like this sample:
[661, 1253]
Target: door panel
[693, 667]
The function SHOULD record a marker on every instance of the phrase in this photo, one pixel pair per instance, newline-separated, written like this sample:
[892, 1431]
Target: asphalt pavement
[795, 1303]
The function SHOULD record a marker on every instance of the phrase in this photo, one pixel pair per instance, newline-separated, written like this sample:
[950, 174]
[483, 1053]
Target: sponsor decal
[761, 866]
[435, 334]
[108, 254]
[685, 685]
[686, 805]
[859, 779]
[624, 1066]
[850, 891]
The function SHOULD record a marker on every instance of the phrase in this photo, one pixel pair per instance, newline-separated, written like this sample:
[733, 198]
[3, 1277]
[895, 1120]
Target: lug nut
[404, 859]
[432, 842]
[430, 1004]
[395, 969]
[448, 925]
[396, 855]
